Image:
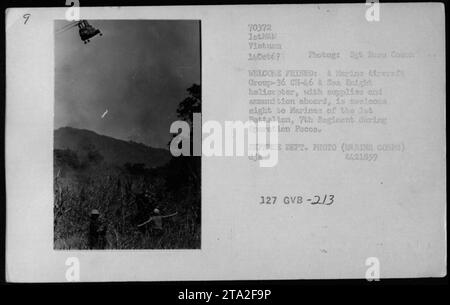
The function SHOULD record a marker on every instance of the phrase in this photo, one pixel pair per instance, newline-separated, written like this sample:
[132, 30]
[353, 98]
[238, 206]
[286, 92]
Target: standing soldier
[144, 202]
[157, 226]
[155, 222]
[97, 231]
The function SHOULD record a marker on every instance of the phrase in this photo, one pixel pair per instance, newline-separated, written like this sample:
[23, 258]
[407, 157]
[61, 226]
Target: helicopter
[85, 30]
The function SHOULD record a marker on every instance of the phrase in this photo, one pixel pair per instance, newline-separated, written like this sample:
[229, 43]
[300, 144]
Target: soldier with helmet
[97, 231]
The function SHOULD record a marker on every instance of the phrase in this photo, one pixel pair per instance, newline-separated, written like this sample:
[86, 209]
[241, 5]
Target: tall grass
[115, 194]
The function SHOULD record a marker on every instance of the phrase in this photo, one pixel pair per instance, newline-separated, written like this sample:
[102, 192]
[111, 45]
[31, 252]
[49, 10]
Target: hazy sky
[138, 70]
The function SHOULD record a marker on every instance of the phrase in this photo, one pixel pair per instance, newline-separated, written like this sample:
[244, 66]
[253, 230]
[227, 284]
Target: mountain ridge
[114, 151]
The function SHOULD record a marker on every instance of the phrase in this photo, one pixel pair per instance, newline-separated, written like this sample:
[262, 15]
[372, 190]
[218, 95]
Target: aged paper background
[393, 209]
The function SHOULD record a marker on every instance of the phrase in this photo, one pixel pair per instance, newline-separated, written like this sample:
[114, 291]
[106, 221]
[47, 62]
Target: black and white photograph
[252, 147]
[119, 85]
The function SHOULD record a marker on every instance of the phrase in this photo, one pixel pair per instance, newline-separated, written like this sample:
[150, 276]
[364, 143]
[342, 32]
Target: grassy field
[117, 194]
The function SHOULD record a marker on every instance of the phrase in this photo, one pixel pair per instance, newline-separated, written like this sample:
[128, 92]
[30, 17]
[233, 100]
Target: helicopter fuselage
[87, 31]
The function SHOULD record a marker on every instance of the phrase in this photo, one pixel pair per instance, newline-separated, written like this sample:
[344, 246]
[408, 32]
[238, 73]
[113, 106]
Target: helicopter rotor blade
[70, 24]
[66, 27]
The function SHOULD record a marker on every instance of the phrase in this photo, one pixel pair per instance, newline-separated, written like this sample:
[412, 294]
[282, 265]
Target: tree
[66, 158]
[183, 172]
[190, 105]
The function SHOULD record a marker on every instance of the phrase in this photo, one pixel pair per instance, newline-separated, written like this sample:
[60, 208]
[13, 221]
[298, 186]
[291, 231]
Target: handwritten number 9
[26, 17]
